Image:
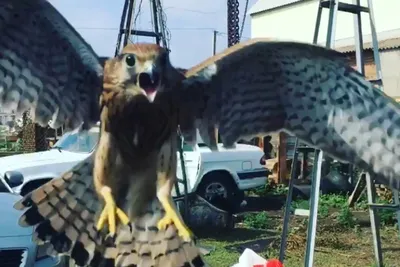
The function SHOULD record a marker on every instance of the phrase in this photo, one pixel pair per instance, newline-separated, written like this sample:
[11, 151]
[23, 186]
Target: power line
[191, 10]
[113, 29]
[175, 29]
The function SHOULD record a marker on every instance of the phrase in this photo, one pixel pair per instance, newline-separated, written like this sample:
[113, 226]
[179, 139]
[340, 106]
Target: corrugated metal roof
[265, 5]
[383, 45]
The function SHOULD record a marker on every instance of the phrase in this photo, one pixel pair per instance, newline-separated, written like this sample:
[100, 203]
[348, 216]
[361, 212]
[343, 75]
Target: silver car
[17, 248]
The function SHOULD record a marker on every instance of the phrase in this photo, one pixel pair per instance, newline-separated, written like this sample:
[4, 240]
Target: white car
[225, 174]
[17, 247]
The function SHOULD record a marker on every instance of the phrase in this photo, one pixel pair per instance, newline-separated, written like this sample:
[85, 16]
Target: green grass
[225, 244]
[351, 247]
[340, 241]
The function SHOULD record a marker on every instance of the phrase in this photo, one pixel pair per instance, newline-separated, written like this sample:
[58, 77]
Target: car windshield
[85, 142]
[80, 142]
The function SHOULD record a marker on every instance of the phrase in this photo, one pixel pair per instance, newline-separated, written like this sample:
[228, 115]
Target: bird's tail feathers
[142, 244]
[64, 211]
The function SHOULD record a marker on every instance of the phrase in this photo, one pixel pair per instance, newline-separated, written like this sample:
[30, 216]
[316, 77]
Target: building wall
[390, 61]
[297, 22]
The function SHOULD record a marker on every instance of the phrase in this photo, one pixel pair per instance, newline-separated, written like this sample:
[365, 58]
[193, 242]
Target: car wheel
[220, 190]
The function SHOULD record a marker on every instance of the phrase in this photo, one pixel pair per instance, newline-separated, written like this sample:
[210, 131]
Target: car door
[192, 160]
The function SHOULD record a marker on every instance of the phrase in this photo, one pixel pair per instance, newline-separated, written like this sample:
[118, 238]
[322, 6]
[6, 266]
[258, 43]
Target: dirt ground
[335, 245]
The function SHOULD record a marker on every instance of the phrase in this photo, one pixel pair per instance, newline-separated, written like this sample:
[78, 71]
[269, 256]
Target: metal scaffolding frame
[126, 30]
[355, 8]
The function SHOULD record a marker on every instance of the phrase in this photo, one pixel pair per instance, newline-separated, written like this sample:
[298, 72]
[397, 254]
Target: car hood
[36, 159]
[238, 148]
[10, 216]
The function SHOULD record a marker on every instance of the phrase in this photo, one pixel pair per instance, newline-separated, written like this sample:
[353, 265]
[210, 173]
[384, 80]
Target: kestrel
[251, 89]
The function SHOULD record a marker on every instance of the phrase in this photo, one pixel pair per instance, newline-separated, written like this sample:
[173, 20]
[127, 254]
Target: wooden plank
[358, 190]
[282, 157]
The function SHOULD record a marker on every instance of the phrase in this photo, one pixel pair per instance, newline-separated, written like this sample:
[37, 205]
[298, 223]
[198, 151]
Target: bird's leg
[109, 212]
[171, 213]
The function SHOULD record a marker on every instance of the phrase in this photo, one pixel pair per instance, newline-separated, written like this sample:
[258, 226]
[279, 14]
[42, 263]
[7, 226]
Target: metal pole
[330, 35]
[155, 19]
[358, 38]
[375, 43]
[121, 27]
[128, 25]
[317, 24]
[215, 42]
[184, 176]
[374, 221]
[288, 204]
[312, 220]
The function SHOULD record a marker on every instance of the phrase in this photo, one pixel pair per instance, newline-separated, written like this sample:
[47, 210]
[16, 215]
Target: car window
[3, 188]
[187, 148]
[81, 142]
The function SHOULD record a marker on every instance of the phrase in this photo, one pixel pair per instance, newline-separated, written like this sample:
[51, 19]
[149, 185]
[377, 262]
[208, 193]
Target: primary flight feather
[311, 92]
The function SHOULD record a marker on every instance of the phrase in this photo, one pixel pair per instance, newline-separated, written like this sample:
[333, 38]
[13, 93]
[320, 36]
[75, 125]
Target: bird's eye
[130, 60]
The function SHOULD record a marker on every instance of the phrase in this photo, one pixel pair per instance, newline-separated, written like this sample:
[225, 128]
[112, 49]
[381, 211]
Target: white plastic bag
[250, 258]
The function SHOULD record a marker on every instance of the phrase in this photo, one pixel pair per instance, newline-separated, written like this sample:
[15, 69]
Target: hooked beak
[149, 81]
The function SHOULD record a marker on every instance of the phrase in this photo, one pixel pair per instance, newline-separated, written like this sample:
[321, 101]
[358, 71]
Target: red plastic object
[274, 263]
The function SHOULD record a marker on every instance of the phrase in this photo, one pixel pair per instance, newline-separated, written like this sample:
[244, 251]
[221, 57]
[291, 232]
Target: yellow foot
[164, 222]
[183, 230]
[109, 212]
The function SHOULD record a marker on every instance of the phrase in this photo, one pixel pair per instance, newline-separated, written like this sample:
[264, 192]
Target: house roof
[266, 5]
[386, 40]
[382, 44]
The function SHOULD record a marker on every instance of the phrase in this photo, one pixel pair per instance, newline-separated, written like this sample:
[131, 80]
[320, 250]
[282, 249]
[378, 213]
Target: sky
[190, 22]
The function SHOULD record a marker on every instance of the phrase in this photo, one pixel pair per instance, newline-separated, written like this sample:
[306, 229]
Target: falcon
[250, 89]
[65, 84]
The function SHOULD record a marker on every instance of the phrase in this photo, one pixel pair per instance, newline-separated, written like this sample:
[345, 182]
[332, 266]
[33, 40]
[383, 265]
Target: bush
[346, 218]
[270, 188]
[326, 202]
[257, 220]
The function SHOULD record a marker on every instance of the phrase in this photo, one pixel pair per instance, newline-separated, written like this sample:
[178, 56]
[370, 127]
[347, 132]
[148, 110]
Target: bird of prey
[250, 89]
[130, 169]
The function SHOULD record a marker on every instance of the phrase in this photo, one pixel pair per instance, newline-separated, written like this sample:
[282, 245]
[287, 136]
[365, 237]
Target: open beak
[149, 82]
[151, 95]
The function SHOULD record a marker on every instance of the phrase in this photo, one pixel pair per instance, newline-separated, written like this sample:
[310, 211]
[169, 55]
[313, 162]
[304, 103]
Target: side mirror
[13, 178]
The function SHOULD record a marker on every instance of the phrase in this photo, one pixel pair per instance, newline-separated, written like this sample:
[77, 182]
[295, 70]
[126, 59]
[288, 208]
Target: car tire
[226, 195]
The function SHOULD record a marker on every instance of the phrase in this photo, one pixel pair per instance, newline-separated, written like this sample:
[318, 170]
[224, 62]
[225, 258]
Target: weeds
[270, 188]
[326, 204]
[257, 220]
[346, 218]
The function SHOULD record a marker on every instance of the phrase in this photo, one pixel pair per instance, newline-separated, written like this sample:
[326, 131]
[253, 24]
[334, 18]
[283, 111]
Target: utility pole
[125, 32]
[215, 42]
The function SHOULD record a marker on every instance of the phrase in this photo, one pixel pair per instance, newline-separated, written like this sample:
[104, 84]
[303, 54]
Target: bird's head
[140, 66]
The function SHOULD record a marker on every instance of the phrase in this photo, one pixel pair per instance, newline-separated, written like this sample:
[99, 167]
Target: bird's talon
[164, 222]
[185, 233]
[122, 216]
[110, 213]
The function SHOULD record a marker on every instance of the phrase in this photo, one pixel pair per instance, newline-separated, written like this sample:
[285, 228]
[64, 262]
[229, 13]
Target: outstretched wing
[305, 90]
[46, 66]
